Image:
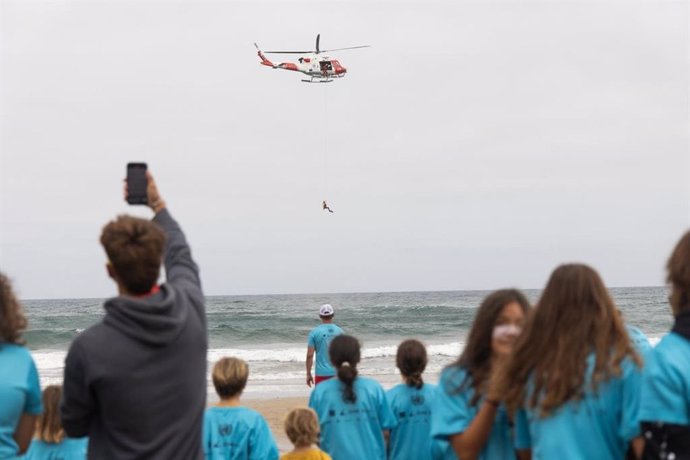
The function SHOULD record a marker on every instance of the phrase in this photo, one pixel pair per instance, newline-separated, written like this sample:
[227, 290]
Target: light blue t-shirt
[20, 393]
[352, 431]
[639, 340]
[68, 449]
[600, 425]
[319, 339]
[666, 382]
[410, 439]
[237, 433]
[452, 413]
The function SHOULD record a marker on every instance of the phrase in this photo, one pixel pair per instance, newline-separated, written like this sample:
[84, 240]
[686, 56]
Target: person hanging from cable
[325, 207]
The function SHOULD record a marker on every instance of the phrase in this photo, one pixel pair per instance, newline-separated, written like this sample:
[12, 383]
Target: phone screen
[136, 183]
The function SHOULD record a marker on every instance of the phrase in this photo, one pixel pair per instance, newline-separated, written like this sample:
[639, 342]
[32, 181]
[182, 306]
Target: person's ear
[111, 271]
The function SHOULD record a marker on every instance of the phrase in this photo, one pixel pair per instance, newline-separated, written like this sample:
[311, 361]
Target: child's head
[230, 377]
[49, 427]
[496, 325]
[411, 360]
[344, 352]
[302, 427]
[575, 318]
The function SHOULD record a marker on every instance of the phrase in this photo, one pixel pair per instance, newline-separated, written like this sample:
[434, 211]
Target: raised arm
[180, 268]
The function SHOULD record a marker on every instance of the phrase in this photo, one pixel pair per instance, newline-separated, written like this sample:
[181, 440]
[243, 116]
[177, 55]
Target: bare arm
[25, 431]
[638, 446]
[468, 444]
[310, 362]
[524, 454]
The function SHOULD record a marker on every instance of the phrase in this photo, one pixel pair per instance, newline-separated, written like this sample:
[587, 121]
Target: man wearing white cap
[319, 339]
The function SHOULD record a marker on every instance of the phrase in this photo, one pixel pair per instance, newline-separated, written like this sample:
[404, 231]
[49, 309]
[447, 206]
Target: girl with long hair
[50, 441]
[665, 402]
[20, 391]
[353, 411]
[574, 373]
[468, 420]
[411, 403]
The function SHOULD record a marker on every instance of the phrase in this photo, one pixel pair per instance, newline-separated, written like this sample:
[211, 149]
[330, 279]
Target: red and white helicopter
[320, 67]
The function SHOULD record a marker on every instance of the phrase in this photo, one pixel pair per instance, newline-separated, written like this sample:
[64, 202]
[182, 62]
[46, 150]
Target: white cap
[326, 310]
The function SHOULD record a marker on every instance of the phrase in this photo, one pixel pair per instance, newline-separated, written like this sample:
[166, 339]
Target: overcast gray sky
[475, 145]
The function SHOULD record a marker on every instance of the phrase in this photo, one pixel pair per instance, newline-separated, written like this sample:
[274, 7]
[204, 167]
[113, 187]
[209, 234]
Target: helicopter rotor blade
[348, 48]
[288, 52]
[318, 38]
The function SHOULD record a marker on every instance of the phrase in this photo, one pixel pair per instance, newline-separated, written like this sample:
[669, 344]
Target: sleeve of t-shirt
[630, 414]
[386, 416]
[33, 404]
[262, 446]
[451, 413]
[523, 440]
[664, 391]
[310, 341]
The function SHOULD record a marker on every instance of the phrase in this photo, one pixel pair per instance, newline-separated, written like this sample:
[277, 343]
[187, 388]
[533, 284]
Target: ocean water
[270, 331]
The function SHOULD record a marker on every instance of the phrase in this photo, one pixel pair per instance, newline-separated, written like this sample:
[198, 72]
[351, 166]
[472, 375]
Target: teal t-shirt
[666, 382]
[68, 449]
[237, 433]
[600, 425]
[453, 412]
[410, 439]
[639, 340]
[352, 431]
[319, 339]
[20, 393]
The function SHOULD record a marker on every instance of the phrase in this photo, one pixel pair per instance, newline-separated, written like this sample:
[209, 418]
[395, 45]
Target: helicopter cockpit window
[326, 65]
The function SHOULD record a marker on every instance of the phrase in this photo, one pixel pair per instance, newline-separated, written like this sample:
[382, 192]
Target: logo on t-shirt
[417, 400]
[225, 430]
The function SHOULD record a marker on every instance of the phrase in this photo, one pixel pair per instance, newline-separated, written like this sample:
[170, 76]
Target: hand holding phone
[137, 183]
[140, 188]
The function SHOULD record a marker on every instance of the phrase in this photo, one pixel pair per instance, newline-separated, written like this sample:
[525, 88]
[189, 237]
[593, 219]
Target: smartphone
[136, 183]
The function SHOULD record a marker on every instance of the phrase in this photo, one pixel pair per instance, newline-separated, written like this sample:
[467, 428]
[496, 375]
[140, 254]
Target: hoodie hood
[155, 320]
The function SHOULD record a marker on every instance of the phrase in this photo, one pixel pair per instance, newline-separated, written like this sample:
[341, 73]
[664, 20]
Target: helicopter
[319, 67]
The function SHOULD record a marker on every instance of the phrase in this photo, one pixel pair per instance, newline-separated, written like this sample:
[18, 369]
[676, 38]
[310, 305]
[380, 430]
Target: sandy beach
[274, 411]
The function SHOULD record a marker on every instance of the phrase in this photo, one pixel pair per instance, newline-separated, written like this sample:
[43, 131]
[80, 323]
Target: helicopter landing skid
[318, 80]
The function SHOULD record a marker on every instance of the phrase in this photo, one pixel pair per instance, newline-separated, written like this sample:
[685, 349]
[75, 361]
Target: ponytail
[344, 353]
[347, 375]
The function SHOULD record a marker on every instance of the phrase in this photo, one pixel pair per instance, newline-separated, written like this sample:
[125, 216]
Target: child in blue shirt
[20, 392]
[50, 442]
[665, 407]
[353, 411]
[411, 404]
[233, 432]
[468, 419]
[574, 376]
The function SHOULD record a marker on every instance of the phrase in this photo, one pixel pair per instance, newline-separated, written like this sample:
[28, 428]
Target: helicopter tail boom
[264, 60]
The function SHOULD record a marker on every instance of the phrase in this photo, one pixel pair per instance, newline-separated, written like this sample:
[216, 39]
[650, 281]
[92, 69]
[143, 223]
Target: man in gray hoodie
[135, 383]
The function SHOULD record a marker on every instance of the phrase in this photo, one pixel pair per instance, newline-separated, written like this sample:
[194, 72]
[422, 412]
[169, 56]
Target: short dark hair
[327, 316]
[135, 249]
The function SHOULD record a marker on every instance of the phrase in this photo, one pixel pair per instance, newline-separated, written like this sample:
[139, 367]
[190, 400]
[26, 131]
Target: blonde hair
[302, 427]
[230, 377]
[49, 427]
